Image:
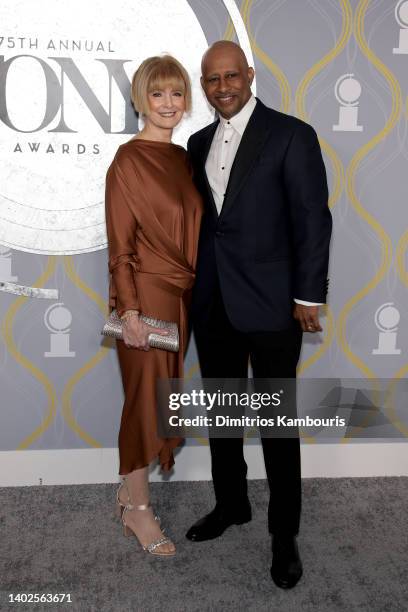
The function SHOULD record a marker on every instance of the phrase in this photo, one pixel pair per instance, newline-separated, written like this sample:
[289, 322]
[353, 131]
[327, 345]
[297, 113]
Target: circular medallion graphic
[65, 71]
[347, 90]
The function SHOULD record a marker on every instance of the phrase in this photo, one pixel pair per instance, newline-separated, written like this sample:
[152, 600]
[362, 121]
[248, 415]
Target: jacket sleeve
[311, 221]
[121, 227]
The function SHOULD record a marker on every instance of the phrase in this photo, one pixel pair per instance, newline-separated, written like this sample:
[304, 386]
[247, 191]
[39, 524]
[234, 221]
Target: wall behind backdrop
[65, 70]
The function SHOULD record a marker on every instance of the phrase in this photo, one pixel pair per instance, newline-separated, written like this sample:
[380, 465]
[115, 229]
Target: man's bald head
[226, 77]
[225, 47]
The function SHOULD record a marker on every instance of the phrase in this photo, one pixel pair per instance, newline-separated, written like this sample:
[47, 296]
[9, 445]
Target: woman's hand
[136, 333]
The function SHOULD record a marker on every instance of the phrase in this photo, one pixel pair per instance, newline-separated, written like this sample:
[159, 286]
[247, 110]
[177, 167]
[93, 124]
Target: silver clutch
[113, 328]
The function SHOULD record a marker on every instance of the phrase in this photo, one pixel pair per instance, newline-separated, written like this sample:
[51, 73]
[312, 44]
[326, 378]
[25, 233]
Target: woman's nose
[168, 100]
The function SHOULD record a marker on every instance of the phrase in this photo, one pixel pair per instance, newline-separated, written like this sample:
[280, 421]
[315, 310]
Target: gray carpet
[353, 542]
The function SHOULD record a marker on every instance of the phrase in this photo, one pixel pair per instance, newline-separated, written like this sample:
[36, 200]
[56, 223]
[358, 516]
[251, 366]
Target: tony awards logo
[57, 319]
[386, 319]
[401, 15]
[65, 108]
[5, 265]
[347, 91]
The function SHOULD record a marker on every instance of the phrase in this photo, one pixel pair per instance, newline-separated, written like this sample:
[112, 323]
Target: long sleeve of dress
[121, 227]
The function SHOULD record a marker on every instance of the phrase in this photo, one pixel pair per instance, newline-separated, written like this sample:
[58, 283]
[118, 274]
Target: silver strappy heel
[127, 531]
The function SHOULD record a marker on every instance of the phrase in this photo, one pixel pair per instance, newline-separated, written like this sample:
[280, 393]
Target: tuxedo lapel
[252, 141]
[205, 150]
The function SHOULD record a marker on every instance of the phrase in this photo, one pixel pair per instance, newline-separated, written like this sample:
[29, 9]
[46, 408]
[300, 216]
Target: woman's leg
[141, 522]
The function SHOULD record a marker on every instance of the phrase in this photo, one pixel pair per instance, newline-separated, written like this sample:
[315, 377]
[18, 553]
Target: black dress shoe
[216, 522]
[286, 568]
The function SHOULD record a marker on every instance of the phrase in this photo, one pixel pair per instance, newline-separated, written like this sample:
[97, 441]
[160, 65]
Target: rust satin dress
[153, 215]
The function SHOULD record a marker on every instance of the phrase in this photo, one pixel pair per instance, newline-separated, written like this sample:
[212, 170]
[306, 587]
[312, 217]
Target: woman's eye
[156, 94]
[177, 93]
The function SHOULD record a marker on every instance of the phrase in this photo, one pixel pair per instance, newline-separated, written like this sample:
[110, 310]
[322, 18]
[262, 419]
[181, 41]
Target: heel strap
[140, 507]
[117, 495]
[129, 505]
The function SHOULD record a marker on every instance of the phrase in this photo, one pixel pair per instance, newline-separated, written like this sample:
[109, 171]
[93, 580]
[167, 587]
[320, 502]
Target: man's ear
[251, 74]
[202, 82]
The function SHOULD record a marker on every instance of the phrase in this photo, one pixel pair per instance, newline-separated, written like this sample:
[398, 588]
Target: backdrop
[65, 70]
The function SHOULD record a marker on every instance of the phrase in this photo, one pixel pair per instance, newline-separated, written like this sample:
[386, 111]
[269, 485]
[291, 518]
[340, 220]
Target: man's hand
[308, 317]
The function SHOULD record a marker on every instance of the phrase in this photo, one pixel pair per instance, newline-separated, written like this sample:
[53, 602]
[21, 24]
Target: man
[261, 275]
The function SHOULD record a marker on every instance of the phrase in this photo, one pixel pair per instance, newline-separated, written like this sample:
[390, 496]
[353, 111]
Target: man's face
[226, 81]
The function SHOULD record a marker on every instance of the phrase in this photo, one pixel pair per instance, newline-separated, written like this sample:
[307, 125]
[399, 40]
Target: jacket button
[218, 233]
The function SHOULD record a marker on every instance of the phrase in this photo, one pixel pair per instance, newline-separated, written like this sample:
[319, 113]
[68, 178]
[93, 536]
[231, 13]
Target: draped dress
[153, 215]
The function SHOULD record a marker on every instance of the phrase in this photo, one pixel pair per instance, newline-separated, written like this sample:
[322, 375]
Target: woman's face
[166, 106]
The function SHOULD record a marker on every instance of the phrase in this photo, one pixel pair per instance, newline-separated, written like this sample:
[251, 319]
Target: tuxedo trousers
[224, 352]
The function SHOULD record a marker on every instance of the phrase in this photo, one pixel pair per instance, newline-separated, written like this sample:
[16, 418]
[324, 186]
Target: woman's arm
[121, 227]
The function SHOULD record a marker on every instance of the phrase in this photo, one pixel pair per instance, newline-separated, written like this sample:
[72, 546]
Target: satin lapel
[252, 141]
[206, 149]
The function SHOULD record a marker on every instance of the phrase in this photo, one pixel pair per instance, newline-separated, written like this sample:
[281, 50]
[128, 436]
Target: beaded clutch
[113, 328]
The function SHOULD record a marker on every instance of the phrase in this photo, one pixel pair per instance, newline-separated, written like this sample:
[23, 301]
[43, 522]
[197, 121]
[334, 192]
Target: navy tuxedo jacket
[270, 244]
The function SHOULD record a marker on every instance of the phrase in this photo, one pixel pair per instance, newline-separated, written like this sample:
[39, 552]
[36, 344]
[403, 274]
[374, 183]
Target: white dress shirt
[223, 149]
[222, 153]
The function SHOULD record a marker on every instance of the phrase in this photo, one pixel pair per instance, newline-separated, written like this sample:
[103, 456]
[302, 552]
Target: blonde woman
[153, 215]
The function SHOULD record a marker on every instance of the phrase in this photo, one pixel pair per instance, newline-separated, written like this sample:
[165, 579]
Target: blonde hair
[155, 72]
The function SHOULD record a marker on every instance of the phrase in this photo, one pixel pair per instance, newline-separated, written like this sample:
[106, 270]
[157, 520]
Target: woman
[153, 214]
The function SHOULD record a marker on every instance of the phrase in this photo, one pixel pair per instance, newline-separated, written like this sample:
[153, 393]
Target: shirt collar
[240, 120]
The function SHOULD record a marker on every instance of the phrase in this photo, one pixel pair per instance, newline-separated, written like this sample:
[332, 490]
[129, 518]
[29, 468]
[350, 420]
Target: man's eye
[232, 75]
[212, 79]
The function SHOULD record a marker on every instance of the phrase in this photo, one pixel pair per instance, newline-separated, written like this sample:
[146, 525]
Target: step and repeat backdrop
[65, 71]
